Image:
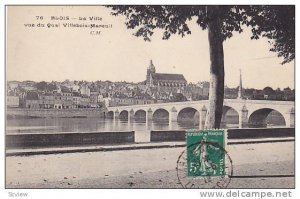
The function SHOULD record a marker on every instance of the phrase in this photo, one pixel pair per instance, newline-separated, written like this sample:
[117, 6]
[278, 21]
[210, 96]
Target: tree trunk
[216, 90]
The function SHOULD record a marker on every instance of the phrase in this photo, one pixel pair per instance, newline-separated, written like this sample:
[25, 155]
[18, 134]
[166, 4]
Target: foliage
[179, 97]
[41, 86]
[277, 23]
[51, 87]
[268, 91]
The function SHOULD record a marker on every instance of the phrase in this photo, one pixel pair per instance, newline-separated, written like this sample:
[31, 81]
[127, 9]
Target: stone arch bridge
[251, 113]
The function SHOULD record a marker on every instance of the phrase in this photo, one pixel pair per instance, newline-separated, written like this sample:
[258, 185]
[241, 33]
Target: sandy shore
[147, 168]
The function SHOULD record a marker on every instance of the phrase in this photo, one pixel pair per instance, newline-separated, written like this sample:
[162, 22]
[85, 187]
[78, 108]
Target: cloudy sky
[59, 53]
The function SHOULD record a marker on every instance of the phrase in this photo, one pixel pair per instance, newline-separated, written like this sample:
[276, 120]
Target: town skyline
[128, 82]
[157, 88]
[117, 55]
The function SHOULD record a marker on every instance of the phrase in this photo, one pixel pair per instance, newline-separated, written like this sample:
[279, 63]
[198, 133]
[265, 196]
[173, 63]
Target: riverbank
[127, 146]
[81, 139]
[20, 113]
[260, 163]
[168, 179]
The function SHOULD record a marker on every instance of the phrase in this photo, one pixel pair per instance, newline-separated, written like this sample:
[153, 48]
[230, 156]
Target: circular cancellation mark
[204, 165]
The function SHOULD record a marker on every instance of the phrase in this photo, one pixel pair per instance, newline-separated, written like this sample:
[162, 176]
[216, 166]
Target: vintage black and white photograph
[150, 96]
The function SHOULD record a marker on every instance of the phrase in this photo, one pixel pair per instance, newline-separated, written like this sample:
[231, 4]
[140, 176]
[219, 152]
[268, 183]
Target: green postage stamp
[205, 153]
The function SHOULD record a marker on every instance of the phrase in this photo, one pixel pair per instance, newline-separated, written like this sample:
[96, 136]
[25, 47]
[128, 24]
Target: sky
[59, 53]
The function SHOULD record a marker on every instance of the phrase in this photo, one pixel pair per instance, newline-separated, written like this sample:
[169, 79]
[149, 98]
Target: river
[141, 128]
[43, 125]
[59, 125]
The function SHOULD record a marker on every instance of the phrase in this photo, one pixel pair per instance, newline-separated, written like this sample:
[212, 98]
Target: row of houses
[63, 100]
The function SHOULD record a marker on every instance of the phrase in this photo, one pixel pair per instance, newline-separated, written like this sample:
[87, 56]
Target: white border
[117, 193]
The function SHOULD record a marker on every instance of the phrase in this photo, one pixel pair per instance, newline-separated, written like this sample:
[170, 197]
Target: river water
[59, 125]
[45, 125]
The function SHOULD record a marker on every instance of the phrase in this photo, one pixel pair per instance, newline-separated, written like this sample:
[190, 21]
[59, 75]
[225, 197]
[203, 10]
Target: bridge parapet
[246, 109]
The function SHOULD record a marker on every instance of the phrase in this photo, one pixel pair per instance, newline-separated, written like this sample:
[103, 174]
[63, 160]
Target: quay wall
[48, 113]
[67, 139]
[253, 133]
[17, 140]
[163, 136]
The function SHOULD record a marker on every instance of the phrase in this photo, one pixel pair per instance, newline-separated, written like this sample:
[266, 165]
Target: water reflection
[43, 125]
[57, 125]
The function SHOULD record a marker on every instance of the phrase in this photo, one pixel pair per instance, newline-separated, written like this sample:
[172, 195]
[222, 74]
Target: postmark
[205, 163]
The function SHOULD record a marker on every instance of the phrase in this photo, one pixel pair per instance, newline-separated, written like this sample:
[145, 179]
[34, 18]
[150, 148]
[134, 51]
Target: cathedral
[164, 80]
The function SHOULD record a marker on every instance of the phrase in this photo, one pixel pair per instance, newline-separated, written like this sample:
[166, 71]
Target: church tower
[150, 70]
[240, 92]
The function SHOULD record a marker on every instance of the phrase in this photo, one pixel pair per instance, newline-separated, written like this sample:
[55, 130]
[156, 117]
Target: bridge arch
[188, 117]
[110, 115]
[124, 115]
[265, 117]
[161, 115]
[230, 117]
[140, 115]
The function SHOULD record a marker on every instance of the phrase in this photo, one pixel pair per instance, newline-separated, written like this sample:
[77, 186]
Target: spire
[151, 67]
[240, 96]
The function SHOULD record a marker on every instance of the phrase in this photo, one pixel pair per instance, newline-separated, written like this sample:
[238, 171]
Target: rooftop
[168, 77]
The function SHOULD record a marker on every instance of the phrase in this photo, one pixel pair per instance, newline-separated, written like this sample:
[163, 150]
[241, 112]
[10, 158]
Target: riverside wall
[67, 139]
[249, 133]
[50, 113]
[18, 140]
